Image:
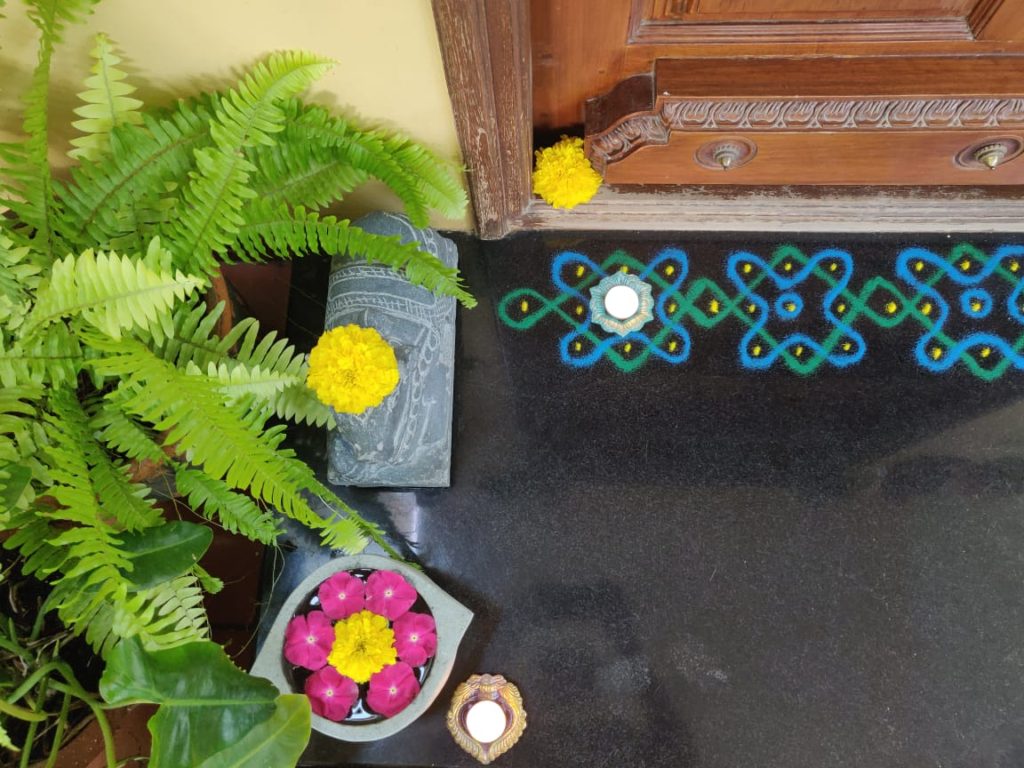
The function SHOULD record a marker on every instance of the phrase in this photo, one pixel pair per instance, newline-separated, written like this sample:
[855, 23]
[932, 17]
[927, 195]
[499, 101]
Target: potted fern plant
[108, 357]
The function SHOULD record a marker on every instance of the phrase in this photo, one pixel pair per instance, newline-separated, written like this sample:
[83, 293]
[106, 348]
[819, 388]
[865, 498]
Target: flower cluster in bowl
[366, 649]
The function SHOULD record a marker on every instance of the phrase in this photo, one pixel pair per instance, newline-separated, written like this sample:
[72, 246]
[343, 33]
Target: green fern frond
[418, 177]
[18, 280]
[245, 117]
[163, 616]
[109, 291]
[245, 363]
[51, 357]
[108, 103]
[98, 205]
[283, 232]
[32, 185]
[234, 511]
[122, 433]
[303, 174]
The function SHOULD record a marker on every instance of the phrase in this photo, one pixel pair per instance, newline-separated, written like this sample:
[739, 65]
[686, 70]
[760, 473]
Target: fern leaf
[109, 291]
[163, 616]
[122, 433]
[298, 173]
[108, 103]
[234, 511]
[32, 185]
[284, 232]
[52, 357]
[18, 280]
[245, 117]
[267, 367]
[98, 205]
[417, 176]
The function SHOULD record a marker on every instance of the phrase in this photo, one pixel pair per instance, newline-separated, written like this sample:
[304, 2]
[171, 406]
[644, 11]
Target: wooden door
[768, 92]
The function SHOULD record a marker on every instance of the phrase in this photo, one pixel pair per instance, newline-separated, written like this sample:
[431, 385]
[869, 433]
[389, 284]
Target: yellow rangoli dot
[525, 305]
[787, 266]
[757, 351]
[965, 265]
[891, 307]
[747, 268]
[672, 346]
[627, 348]
[926, 308]
[919, 266]
[580, 270]
[1014, 266]
[833, 267]
[579, 309]
[936, 353]
[713, 306]
[624, 268]
[976, 306]
[671, 308]
[751, 308]
[577, 346]
[790, 306]
[846, 346]
[986, 351]
[799, 351]
[670, 270]
[841, 308]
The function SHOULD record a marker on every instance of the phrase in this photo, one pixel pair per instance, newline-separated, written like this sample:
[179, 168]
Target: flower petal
[342, 595]
[331, 695]
[415, 638]
[308, 640]
[389, 594]
[392, 689]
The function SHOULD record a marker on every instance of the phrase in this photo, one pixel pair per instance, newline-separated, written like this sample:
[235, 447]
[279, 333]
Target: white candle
[622, 302]
[486, 721]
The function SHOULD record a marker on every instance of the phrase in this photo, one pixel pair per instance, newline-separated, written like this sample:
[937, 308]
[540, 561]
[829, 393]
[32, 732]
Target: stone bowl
[451, 618]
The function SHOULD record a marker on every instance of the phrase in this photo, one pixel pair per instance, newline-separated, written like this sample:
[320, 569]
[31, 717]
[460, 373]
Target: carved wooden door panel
[767, 92]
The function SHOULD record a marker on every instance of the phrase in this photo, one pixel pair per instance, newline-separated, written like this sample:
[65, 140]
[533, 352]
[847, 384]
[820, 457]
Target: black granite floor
[705, 566]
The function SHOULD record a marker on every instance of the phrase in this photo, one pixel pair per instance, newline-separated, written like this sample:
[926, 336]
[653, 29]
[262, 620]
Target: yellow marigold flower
[563, 176]
[363, 645]
[352, 368]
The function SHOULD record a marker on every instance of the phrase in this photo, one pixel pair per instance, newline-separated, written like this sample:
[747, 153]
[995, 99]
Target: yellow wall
[389, 71]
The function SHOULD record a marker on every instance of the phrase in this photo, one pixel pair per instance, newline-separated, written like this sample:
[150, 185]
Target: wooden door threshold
[485, 45]
[787, 210]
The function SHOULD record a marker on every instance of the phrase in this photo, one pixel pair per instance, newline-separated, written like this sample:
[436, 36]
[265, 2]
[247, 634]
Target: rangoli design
[794, 310]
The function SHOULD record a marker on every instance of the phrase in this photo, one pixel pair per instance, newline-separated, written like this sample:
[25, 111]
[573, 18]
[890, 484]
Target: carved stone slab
[406, 441]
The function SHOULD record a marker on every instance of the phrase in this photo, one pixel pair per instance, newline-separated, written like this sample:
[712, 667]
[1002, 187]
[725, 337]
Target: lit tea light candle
[485, 721]
[622, 302]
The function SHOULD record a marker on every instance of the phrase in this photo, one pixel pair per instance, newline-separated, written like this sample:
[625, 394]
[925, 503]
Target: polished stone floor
[707, 565]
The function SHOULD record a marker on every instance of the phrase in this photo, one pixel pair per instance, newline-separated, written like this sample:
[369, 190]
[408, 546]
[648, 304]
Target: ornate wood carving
[644, 129]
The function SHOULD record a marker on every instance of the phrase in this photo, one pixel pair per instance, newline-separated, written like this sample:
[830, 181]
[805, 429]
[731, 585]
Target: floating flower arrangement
[362, 646]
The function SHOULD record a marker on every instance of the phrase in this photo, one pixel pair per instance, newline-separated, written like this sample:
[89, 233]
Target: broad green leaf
[277, 742]
[160, 553]
[206, 703]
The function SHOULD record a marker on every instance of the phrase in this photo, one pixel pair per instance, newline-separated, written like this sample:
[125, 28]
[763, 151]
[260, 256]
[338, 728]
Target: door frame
[485, 45]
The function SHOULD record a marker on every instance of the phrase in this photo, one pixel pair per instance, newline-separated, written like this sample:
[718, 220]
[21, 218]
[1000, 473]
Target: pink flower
[392, 689]
[308, 640]
[415, 638]
[389, 594]
[331, 695]
[342, 595]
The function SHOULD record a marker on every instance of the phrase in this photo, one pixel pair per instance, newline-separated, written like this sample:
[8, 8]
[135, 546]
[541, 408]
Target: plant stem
[30, 737]
[101, 719]
[32, 680]
[21, 713]
[58, 735]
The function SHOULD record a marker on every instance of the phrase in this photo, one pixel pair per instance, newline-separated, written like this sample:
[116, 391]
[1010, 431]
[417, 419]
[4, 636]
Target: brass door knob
[726, 154]
[990, 153]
